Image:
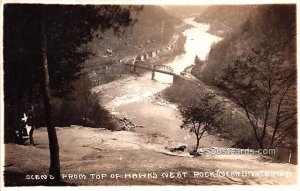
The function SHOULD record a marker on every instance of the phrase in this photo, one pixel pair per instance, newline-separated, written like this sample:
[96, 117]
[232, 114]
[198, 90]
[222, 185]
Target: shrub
[235, 126]
[82, 108]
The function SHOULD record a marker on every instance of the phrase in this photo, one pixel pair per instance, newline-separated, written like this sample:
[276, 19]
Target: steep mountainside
[275, 23]
[270, 33]
[224, 19]
[154, 29]
[181, 11]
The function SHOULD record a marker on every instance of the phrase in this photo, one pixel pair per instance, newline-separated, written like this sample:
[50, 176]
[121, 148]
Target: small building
[150, 54]
[140, 58]
[146, 55]
[153, 54]
[109, 51]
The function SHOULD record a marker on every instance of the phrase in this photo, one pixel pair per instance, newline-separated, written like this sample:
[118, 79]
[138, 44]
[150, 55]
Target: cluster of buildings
[94, 69]
[151, 54]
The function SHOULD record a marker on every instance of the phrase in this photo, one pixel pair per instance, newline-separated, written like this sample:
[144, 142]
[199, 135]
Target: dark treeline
[42, 58]
[67, 29]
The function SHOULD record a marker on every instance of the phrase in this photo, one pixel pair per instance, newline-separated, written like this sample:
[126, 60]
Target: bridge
[153, 68]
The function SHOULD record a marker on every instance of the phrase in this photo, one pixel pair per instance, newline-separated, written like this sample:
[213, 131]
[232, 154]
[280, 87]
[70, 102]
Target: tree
[43, 50]
[263, 84]
[54, 168]
[197, 60]
[201, 117]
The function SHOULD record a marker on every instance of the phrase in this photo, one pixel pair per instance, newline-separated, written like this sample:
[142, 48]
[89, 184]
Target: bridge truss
[163, 69]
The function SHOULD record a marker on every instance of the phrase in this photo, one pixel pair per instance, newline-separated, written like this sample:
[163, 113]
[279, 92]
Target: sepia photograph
[139, 94]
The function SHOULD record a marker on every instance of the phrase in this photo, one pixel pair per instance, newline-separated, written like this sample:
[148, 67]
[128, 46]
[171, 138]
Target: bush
[183, 92]
[235, 127]
[82, 108]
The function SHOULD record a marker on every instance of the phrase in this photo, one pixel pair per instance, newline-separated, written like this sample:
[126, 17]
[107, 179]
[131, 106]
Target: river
[134, 97]
[198, 42]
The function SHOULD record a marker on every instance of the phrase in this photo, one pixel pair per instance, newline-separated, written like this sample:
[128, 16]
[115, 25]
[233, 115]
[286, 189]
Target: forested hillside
[273, 23]
[154, 23]
[154, 27]
[183, 11]
[255, 66]
[224, 19]
[153, 30]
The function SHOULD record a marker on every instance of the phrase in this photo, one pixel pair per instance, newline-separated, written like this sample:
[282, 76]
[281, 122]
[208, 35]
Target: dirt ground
[100, 157]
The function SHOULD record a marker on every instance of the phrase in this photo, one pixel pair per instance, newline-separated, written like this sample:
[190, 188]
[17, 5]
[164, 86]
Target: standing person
[31, 122]
[21, 129]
